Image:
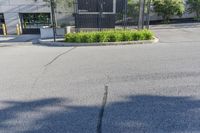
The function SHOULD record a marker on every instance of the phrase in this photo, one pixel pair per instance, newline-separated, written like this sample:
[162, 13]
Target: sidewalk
[175, 26]
[21, 38]
[169, 26]
[13, 40]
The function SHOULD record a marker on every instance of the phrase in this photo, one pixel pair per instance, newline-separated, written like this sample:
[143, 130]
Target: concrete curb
[49, 42]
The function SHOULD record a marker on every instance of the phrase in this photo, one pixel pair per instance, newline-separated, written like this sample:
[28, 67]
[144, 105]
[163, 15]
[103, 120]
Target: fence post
[148, 13]
[141, 15]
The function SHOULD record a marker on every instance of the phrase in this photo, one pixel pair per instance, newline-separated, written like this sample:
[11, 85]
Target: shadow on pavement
[141, 113]
[153, 114]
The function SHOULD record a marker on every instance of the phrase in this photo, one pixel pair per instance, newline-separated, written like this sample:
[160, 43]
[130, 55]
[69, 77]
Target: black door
[31, 22]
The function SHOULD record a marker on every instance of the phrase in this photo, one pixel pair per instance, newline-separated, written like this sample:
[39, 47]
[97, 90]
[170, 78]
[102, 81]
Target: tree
[62, 3]
[194, 6]
[168, 8]
[133, 8]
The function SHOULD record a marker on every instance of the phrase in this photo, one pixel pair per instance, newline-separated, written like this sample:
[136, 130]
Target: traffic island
[104, 38]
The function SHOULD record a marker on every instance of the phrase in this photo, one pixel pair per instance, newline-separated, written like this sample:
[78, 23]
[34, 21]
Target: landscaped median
[105, 37]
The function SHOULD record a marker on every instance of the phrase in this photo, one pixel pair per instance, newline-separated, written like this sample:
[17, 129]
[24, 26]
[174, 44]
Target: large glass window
[35, 20]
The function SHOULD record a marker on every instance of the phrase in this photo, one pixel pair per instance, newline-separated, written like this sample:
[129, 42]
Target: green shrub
[109, 36]
[126, 36]
[78, 38]
[104, 37]
[147, 35]
[70, 37]
[137, 36]
[87, 38]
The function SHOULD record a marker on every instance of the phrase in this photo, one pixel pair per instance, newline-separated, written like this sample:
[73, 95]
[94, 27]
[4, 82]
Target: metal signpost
[53, 6]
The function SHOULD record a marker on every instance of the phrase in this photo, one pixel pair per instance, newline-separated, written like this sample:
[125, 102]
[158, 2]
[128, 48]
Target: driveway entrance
[177, 33]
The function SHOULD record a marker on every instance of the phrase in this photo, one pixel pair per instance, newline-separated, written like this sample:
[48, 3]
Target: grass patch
[109, 36]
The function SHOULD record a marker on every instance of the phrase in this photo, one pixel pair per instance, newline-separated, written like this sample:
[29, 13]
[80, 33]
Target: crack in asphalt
[58, 56]
[101, 113]
[46, 66]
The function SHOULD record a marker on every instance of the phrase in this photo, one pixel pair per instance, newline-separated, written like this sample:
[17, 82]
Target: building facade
[30, 15]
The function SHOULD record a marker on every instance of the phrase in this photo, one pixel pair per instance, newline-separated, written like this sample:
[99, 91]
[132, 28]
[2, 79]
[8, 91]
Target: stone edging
[51, 43]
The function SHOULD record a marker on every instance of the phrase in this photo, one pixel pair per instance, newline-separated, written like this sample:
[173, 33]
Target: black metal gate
[94, 14]
[106, 13]
[31, 22]
[2, 21]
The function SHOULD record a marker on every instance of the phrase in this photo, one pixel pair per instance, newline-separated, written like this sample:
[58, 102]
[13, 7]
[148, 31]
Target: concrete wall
[12, 8]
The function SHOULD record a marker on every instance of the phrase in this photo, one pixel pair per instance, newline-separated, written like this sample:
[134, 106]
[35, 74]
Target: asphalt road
[152, 88]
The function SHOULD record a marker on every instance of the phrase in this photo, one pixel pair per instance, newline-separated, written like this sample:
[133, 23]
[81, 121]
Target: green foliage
[63, 3]
[109, 36]
[133, 8]
[169, 8]
[194, 6]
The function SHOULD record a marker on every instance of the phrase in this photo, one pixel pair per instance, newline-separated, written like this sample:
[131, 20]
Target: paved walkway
[21, 38]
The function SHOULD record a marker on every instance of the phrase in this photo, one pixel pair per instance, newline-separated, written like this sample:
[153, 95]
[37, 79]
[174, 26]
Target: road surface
[152, 88]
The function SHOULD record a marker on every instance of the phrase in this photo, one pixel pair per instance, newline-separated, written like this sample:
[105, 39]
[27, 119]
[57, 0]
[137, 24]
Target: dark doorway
[31, 22]
[2, 21]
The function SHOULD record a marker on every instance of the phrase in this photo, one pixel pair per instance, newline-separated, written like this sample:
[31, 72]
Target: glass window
[35, 20]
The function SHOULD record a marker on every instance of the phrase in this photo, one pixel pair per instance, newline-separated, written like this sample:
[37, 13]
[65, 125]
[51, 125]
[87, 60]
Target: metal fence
[102, 14]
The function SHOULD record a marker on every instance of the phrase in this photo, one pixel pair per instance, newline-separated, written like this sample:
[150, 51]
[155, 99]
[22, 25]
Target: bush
[194, 6]
[169, 8]
[109, 36]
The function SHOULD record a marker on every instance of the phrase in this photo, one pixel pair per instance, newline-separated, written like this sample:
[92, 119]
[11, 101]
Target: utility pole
[141, 15]
[148, 13]
[76, 15]
[53, 18]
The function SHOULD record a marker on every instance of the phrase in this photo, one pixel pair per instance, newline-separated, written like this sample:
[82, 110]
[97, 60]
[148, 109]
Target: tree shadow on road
[153, 114]
[141, 113]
